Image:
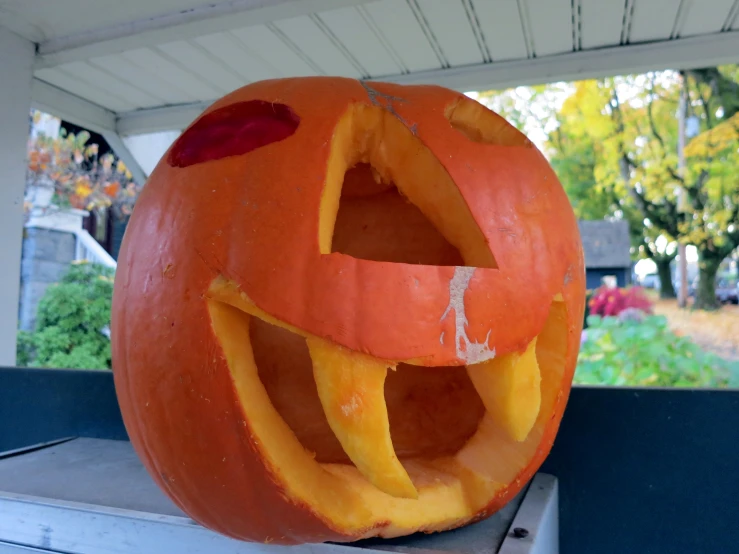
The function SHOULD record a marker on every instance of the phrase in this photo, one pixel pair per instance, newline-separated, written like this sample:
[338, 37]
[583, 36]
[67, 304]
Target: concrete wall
[46, 257]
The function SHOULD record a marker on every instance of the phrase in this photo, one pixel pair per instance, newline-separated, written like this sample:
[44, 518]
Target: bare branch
[675, 175]
[703, 101]
[650, 115]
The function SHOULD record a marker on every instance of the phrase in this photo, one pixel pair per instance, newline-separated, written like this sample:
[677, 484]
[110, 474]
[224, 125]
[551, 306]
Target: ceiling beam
[124, 154]
[153, 120]
[683, 53]
[178, 25]
[676, 54]
[72, 108]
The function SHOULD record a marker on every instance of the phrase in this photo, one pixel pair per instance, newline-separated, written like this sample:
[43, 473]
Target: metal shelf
[93, 496]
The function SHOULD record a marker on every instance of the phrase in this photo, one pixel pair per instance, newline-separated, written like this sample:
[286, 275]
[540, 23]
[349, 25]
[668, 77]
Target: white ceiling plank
[265, 44]
[231, 51]
[145, 80]
[601, 23]
[653, 20]
[72, 108]
[150, 60]
[109, 83]
[315, 44]
[351, 28]
[403, 33]
[87, 91]
[685, 53]
[61, 18]
[501, 24]
[201, 62]
[708, 17]
[732, 22]
[551, 25]
[451, 27]
[177, 24]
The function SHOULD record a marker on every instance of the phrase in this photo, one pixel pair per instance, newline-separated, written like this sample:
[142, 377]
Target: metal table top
[94, 496]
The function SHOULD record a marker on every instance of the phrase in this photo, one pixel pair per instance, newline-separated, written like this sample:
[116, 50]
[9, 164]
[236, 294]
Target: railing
[89, 249]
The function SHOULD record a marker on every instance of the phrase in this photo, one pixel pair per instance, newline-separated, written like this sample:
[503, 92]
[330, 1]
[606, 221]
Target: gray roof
[605, 243]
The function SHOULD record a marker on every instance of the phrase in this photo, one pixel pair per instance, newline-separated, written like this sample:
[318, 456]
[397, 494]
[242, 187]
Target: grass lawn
[716, 332]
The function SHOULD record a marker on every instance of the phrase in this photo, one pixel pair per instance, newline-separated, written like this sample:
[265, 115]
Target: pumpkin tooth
[351, 387]
[509, 387]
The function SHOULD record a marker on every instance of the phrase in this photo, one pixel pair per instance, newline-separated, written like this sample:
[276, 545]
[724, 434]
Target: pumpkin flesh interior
[451, 487]
[427, 427]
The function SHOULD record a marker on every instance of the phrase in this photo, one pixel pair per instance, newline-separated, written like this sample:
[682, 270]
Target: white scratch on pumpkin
[351, 406]
[470, 352]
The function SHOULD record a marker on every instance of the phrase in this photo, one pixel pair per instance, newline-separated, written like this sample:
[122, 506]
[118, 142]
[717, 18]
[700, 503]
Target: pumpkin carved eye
[396, 203]
[480, 124]
[232, 131]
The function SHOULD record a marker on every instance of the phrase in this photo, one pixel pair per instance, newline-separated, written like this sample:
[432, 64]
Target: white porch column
[16, 61]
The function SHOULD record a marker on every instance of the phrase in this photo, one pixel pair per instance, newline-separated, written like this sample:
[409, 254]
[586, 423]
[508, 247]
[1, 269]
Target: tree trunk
[705, 295]
[666, 290]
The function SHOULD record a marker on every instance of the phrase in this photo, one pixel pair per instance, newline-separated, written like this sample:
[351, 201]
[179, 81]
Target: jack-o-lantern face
[345, 310]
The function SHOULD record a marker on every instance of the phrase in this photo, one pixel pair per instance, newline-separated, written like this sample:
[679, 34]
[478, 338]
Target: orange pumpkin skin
[252, 218]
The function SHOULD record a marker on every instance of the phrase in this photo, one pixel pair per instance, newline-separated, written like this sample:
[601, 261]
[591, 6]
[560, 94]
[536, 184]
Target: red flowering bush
[607, 301]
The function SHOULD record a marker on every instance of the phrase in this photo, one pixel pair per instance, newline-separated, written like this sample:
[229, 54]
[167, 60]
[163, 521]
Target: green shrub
[646, 353]
[70, 322]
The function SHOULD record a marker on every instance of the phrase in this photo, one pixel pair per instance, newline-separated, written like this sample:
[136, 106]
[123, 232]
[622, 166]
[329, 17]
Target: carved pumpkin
[346, 310]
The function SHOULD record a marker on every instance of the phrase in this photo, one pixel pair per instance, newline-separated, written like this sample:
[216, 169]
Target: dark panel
[648, 471]
[118, 229]
[38, 405]
[593, 276]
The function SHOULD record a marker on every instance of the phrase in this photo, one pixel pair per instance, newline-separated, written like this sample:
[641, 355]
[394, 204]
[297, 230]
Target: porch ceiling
[150, 65]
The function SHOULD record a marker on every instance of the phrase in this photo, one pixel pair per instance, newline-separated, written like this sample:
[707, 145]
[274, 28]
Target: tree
[652, 244]
[540, 114]
[715, 223]
[632, 120]
[77, 177]
[72, 322]
[578, 153]
[614, 144]
[574, 157]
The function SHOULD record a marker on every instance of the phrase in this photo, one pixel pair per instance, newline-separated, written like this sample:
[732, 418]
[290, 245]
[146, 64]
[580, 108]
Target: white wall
[16, 59]
[149, 148]
[47, 124]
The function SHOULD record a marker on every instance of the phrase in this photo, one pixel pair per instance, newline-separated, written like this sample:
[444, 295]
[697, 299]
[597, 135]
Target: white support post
[16, 62]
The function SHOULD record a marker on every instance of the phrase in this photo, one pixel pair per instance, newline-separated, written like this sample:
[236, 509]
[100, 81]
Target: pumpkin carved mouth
[395, 204]
[485, 420]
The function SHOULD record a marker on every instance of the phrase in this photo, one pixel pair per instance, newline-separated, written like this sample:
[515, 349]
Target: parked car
[650, 281]
[727, 291]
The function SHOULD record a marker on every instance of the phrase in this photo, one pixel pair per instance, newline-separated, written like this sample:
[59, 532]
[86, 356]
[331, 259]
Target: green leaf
[70, 318]
[648, 354]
